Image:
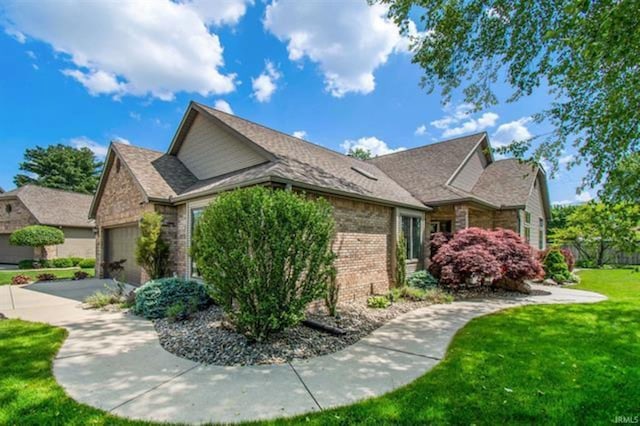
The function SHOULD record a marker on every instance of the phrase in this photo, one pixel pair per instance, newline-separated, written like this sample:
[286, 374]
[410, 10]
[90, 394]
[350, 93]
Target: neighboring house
[213, 151]
[34, 205]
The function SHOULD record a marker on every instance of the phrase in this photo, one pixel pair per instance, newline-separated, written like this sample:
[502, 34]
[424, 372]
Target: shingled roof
[506, 182]
[54, 206]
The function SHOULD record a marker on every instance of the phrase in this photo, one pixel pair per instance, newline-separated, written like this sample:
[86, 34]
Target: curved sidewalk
[114, 361]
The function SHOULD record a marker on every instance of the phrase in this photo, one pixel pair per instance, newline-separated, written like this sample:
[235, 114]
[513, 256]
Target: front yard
[544, 364]
[5, 276]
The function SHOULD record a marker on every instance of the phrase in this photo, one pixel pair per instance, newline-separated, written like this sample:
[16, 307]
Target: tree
[265, 255]
[61, 167]
[623, 183]
[361, 153]
[559, 215]
[37, 236]
[585, 53]
[152, 252]
[596, 228]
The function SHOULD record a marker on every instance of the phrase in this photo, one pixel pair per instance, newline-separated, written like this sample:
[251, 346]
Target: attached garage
[13, 254]
[120, 243]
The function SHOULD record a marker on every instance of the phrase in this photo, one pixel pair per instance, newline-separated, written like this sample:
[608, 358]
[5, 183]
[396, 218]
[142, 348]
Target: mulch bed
[206, 338]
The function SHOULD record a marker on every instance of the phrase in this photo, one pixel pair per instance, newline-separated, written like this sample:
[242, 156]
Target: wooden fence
[612, 257]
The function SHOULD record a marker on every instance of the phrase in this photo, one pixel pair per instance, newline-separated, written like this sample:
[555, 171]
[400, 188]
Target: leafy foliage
[152, 252]
[559, 215]
[155, 297]
[115, 269]
[181, 311]
[422, 280]
[555, 267]
[265, 254]
[80, 275]
[569, 258]
[596, 228]
[476, 257]
[361, 153]
[61, 167]
[26, 264]
[401, 260]
[20, 279]
[623, 182]
[378, 302]
[61, 262]
[585, 52]
[46, 277]
[87, 263]
[37, 236]
[333, 293]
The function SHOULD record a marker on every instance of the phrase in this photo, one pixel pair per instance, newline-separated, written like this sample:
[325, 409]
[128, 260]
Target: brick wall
[363, 245]
[18, 216]
[122, 202]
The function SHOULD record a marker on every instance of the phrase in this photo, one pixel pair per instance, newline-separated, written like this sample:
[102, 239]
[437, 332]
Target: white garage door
[120, 243]
[13, 254]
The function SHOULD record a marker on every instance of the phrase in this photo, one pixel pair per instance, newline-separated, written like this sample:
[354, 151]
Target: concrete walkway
[113, 361]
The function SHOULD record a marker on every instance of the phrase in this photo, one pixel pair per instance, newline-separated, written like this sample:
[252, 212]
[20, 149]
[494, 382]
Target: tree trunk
[601, 249]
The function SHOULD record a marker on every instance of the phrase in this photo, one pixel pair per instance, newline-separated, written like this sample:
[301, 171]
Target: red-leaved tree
[476, 257]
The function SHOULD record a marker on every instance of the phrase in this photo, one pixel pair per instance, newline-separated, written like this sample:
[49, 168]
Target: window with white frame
[541, 234]
[412, 231]
[527, 226]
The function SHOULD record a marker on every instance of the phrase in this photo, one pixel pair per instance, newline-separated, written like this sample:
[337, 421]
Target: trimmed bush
[75, 261]
[475, 257]
[37, 236]
[20, 279]
[87, 263]
[422, 280]
[555, 266]
[155, 297]
[61, 262]
[265, 255]
[26, 264]
[569, 258]
[378, 302]
[152, 252]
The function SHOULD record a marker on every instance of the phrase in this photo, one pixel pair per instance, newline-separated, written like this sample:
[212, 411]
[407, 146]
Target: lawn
[5, 276]
[569, 364]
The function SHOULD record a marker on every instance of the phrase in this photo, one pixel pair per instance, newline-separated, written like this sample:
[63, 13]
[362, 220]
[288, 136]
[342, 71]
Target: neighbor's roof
[304, 164]
[54, 206]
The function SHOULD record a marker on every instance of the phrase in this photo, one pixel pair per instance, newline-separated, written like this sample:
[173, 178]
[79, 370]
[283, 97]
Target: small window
[412, 231]
[527, 234]
[527, 218]
[195, 214]
[440, 226]
[8, 208]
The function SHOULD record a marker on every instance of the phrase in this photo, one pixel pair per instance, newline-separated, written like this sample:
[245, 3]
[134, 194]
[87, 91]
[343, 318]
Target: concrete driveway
[113, 361]
[74, 290]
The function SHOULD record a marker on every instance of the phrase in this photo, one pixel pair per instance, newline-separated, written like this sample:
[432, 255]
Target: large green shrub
[555, 266]
[38, 236]
[62, 262]
[155, 297]
[152, 252]
[265, 254]
[87, 263]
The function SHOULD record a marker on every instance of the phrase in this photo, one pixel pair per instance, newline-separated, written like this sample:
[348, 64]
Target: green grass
[5, 276]
[562, 364]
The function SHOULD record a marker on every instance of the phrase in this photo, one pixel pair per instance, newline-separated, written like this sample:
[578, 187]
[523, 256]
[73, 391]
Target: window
[195, 214]
[412, 231]
[440, 226]
[527, 226]
[541, 233]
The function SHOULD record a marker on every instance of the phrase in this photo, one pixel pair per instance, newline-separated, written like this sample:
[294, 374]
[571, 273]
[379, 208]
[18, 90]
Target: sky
[336, 73]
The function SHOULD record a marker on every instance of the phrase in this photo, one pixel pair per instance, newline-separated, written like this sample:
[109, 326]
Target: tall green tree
[559, 215]
[623, 183]
[594, 229]
[361, 153]
[585, 53]
[61, 167]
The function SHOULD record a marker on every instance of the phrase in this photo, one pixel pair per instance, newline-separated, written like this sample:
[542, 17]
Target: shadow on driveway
[75, 290]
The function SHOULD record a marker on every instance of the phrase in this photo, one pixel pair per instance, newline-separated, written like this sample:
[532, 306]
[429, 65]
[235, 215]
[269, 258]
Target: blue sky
[339, 74]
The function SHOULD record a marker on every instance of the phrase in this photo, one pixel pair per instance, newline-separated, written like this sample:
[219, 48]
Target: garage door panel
[13, 254]
[121, 244]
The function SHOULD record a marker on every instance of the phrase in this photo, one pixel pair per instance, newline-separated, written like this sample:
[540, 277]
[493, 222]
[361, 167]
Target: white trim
[466, 160]
[411, 213]
[192, 205]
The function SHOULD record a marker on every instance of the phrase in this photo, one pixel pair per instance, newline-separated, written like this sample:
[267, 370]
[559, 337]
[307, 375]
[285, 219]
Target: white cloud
[98, 149]
[17, 35]
[512, 131]
[31, 54]
[347, 39]
[137, 48]
[566, 159]
[135, 115]
[371, 143]
[458, 121]
[219, 12]
[421, 130]
[300, 134]
[583, 197]
[265, 84]
[223, 106]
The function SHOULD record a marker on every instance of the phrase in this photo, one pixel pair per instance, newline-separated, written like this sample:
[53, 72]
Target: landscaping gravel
[206, 338]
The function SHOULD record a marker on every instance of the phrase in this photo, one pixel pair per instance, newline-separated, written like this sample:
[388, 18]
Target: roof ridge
[282, 133]
[427, 145]
[136, 147]
[33, 185]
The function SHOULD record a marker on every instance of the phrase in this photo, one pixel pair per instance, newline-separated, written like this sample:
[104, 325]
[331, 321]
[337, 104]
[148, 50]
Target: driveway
[113, 361]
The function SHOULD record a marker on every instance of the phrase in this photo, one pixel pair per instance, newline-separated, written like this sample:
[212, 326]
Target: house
[35, 205]
[373, 201]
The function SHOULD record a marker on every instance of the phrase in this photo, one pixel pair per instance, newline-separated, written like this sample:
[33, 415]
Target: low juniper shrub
[422, 280]
[155, 297]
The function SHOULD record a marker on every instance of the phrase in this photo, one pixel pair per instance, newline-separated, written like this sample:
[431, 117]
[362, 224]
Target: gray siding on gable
[210, 151]
[469, 174]
[535, 206]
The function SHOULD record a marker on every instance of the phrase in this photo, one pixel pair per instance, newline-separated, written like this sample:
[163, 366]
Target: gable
[208, 150]
[14, 215]
[535, 202]
[471, 170]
